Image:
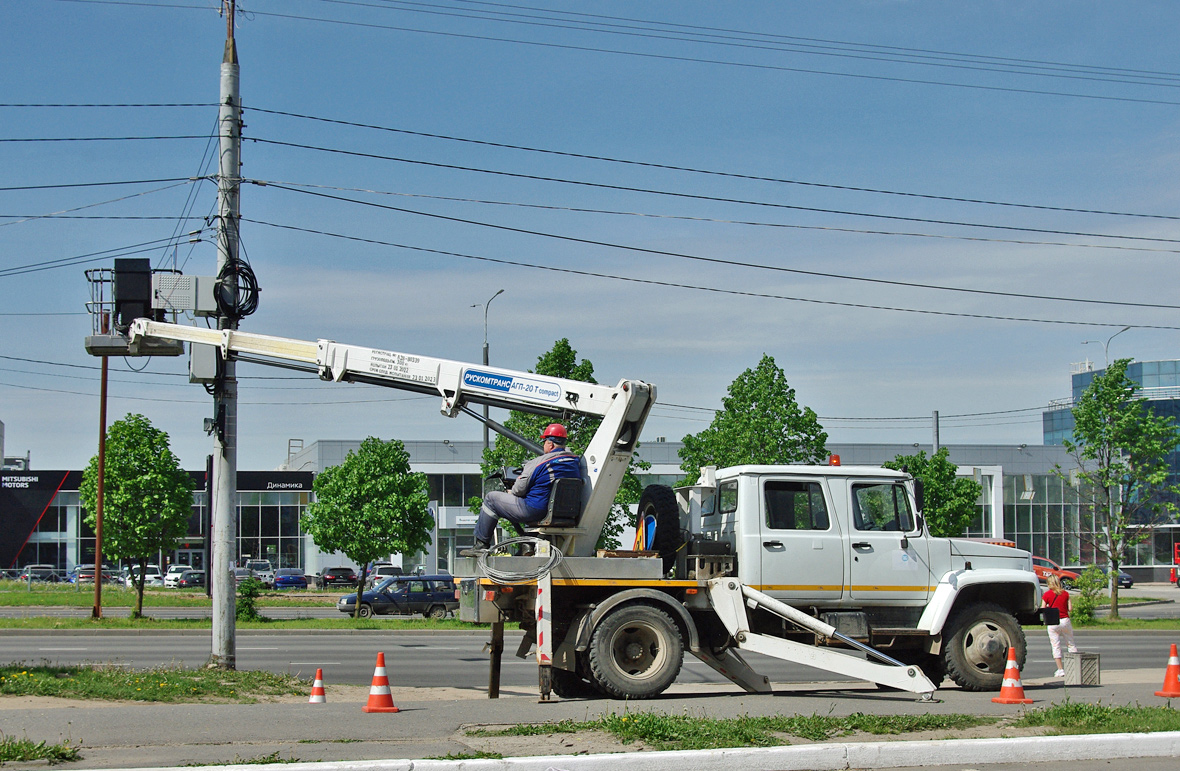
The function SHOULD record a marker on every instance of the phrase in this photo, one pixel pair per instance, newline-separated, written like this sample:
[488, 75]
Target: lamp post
[485, 357]
[1105, 346]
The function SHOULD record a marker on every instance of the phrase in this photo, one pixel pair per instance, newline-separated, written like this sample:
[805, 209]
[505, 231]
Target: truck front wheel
[636, 652]
[976, 650]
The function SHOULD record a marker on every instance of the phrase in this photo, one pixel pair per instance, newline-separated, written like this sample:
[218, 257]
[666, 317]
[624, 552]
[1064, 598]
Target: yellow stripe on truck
[811, 587]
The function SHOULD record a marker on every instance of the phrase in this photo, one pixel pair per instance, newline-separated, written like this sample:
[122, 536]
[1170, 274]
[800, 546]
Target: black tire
[437, 612]
[366, 611]
[635, 652]
[571, 685]
[659, 501]
[976, 649]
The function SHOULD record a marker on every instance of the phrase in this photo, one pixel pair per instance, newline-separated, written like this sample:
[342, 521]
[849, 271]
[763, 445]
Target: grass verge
[14, 750]
[159, 684]
[344, 623]
[68, 595]
[1081, 718]
[687, 732]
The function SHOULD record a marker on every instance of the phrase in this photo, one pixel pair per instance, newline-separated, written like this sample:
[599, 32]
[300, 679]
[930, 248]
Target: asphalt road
[415, 659]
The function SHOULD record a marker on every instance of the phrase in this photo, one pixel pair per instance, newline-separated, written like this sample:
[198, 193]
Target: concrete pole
[223, 506]
[934, 423]
[96, 611]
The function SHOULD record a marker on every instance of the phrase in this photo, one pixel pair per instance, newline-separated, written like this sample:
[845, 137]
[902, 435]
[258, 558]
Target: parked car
[290, 578]
[191, 579]
[1045, 567]
[240, 575]
[174, 573]
[262, 570]
[380, 572]
[9, 574]
[432, 596]
[1125, 580]
[152, 576]
[39, 573]
[336, 577]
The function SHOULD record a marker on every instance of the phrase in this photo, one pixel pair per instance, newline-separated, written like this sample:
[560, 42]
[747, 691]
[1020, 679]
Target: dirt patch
[581, 743]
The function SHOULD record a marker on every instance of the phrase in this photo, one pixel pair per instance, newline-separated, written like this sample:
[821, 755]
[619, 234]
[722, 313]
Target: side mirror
[920, 494]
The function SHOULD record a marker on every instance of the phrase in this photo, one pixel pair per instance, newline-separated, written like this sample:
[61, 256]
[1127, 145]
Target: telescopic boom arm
[623, 408]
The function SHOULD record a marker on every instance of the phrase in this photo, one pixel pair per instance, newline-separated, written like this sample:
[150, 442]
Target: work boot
[481, 547]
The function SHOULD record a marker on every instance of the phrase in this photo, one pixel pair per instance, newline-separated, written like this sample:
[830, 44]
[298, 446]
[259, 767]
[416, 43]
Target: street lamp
[1105, 346]
[485, 358]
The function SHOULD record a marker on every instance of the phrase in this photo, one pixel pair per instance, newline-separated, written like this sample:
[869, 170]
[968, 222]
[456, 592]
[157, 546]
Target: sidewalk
[432, 723]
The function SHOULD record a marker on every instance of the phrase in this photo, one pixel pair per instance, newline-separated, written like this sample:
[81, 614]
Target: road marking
[315, 663]
[63, 649]
[258, 649]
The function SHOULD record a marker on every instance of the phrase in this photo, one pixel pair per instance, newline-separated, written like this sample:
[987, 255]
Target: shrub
[1088, 590]
[246, 608]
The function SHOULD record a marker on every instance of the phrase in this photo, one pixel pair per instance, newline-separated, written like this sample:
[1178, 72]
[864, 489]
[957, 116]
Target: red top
[1059, 601]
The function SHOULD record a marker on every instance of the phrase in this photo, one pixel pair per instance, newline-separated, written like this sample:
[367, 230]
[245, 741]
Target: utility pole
[223, 505]
[934, 424]
[96, 611]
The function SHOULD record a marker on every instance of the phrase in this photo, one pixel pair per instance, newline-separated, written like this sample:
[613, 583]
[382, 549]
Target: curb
[813, 757]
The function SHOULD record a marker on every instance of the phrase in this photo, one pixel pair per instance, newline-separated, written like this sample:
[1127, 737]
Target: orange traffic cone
[1011, 692]
[1171, 685]
[380, 699]
[317, 689]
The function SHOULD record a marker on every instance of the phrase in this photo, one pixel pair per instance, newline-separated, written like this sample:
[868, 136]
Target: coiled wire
[512, 577]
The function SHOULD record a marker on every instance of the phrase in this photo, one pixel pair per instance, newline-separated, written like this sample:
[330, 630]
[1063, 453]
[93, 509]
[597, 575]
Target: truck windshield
[881, 507]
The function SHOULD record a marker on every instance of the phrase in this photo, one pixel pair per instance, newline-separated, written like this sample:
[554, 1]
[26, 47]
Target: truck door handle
[861, 545]
[773, 544]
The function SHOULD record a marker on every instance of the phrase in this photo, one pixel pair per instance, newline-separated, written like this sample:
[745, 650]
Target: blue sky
[934, 146]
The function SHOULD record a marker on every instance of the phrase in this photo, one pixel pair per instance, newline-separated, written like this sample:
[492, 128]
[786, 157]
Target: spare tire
[659, 503]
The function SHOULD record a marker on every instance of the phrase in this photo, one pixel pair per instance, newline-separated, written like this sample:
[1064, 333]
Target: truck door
[889, 555]
[800, 544]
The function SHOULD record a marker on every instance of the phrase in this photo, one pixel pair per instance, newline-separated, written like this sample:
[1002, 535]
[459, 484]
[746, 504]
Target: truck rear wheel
[571, 685]
[976, 650]
[659, 503]
[636, 652]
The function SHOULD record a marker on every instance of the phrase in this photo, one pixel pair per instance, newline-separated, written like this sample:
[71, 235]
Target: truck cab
[849, 543]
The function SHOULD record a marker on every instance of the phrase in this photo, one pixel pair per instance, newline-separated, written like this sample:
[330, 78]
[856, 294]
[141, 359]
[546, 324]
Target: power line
[701, 197]
[92, 205]
[100, 184]
[121, 251]
[721, 62]
[761, 43]
[712, 172]
[731, 263]
[100, 139]
[666, 57]
[711, 289]
[108, 104]
[719, 220]
[873, 46]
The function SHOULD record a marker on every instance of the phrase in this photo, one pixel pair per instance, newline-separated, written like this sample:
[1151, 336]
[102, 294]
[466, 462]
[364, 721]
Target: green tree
[147, 496]
[1121, 448]
[370, 506]
[950, 500]
[760, 422]
[562, 361]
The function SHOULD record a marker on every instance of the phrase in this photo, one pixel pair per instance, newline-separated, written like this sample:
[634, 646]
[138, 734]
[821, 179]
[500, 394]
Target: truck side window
[727, 497]
[795, 506]
[881, 507]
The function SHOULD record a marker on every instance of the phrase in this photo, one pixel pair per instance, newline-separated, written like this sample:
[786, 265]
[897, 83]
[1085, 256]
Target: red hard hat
[554, 429]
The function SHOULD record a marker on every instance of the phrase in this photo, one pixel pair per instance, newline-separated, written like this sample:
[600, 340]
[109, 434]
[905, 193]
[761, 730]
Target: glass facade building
[1159, 384]
[42, 513]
